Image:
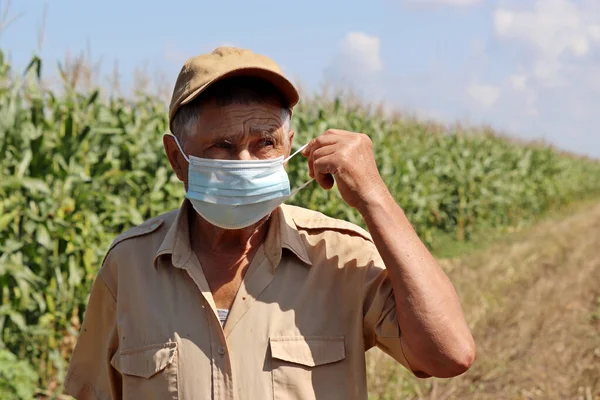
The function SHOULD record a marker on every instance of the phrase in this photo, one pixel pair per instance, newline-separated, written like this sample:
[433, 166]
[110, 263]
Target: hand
[348, 157]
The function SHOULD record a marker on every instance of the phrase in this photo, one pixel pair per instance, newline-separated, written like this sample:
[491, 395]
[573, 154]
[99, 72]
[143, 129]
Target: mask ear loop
[305, 184]
[181, 150]
[296, 152]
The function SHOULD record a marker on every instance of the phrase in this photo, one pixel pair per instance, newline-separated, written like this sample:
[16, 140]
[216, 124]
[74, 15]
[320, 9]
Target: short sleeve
[90, 374]
[380, 323]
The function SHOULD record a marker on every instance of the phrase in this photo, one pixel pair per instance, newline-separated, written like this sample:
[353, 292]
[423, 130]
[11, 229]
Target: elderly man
[238, 296]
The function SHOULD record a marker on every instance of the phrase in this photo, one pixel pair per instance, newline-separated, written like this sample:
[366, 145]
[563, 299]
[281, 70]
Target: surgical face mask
[234, 194]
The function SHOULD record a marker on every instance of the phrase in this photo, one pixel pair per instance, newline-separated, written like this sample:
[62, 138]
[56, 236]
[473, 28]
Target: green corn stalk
[77, 169]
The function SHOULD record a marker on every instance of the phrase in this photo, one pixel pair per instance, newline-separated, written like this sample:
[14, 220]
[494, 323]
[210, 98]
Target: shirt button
[221, 350]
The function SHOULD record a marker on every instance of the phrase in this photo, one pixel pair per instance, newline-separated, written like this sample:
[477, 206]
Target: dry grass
[533, 302]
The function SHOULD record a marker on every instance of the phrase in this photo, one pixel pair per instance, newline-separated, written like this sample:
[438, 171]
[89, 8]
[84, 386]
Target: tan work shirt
[315, 297]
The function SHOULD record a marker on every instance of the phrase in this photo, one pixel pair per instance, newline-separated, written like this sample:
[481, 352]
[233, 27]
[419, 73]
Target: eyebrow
[266, 130]
[218, 136]
[263, 131]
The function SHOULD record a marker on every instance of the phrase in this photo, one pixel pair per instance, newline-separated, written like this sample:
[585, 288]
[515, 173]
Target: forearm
[435, 337]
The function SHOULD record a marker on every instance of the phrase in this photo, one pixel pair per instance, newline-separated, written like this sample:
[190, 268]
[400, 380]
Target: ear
[176, 159]
[290, 138]
[290, 132]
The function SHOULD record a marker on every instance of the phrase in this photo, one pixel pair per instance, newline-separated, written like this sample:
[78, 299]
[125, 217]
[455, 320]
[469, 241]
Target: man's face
[233, 132]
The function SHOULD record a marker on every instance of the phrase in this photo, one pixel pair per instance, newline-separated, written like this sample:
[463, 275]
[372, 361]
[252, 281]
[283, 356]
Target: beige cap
[199, 72]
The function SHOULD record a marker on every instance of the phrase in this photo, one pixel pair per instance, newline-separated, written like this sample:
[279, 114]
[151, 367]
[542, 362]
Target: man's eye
[222, 145]
[267, 142]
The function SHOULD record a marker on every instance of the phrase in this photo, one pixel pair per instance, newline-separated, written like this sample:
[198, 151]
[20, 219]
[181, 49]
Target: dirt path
[533, 302]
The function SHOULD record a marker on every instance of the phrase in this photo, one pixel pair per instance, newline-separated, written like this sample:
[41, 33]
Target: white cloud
[548, 71]
[485, 95]
[551, 49]
[594, 80]
[518, 82]
[594, 31]
[555, 29]
[452, 3]
[357, 66]
[362, 51]
[524, 97]
[538, 78]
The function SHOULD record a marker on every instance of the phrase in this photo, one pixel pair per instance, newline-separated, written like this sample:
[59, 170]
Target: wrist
[377, 199]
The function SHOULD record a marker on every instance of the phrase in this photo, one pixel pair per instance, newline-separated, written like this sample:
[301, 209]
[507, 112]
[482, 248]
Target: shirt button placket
[220, 374]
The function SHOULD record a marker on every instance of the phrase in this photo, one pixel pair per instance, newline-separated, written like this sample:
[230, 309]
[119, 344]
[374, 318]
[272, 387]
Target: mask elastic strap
[305, 184]
[296, 152]
[180, 149]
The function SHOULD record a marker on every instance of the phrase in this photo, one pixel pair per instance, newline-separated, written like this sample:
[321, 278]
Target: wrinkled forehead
[242, 119]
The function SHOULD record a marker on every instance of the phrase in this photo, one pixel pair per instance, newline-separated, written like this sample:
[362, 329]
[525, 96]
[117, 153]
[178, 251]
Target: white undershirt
[223, 313]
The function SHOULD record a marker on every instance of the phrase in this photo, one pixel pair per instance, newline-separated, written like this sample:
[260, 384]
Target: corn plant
[77, 169]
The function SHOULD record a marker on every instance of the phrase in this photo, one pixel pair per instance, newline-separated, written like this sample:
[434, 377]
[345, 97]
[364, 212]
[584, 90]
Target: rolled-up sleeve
[90, 374]
[380, 322]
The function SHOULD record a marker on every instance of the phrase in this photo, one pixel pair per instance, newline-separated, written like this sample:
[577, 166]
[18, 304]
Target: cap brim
[287, 89]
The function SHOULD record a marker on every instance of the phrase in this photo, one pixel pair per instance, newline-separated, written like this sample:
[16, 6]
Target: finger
[340, 132]
[327, 137]
[326, 181]
[306, 151]
[320, 141]
[324, 169]
[318, 153]
[311, 170]
[324, 151]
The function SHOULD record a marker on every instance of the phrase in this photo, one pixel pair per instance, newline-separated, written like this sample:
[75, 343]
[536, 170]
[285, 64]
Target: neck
[217, 240]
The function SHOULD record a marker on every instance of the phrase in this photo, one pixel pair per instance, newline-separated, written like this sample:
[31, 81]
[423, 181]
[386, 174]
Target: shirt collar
[283, 233]
[177, 240]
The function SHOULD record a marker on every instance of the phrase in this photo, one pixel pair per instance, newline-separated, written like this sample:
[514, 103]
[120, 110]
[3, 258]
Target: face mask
[234, 194]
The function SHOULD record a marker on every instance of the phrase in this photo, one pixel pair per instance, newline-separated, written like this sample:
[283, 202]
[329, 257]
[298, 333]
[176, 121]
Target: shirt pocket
[148, 372]
[308, 367]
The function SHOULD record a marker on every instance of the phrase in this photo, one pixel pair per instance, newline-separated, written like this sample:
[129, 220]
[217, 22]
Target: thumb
[306, 151]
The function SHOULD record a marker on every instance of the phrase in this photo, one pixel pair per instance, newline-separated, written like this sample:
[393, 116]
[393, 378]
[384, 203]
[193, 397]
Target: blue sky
[526, 67]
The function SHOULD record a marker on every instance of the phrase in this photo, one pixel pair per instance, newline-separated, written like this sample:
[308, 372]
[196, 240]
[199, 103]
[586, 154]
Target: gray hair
[236, 90]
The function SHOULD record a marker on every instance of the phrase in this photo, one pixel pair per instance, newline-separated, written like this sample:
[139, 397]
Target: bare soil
[532, 301]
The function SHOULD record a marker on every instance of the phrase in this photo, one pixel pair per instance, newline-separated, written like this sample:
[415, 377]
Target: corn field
[77, 169]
